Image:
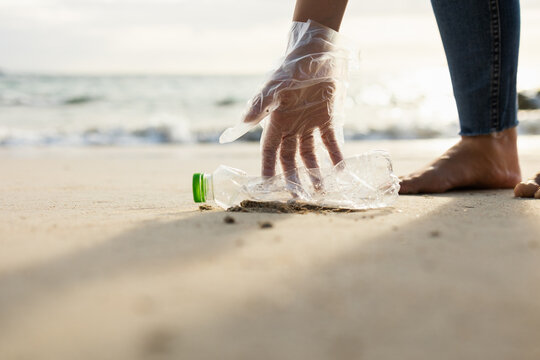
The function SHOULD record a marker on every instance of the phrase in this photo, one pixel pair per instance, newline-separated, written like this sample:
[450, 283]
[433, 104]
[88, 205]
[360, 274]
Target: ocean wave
[167, 134]
[161, 134]
[13, 98]
[134, 110]
[529, 122]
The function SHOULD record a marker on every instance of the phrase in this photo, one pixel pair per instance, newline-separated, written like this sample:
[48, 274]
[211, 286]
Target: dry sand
[104, 256]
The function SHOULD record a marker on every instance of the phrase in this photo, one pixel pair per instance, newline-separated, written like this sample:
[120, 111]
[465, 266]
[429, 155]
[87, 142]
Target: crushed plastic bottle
[363, 181]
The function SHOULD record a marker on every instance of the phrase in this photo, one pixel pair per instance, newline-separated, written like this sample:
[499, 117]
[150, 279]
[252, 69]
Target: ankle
[506, 137]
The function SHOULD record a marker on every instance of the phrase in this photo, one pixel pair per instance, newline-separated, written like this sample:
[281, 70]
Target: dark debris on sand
[205, 207]
[275, 207]
[229, 219]
[266, 225]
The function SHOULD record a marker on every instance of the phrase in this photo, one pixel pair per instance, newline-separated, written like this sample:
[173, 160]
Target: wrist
[311, 35]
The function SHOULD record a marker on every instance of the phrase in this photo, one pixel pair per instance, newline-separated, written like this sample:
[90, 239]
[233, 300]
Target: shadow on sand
[460, 282]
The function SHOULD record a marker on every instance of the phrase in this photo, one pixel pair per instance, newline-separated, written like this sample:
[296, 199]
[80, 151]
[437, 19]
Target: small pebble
[229, 219]
[158, 342]
[205, 207]
[265, 224]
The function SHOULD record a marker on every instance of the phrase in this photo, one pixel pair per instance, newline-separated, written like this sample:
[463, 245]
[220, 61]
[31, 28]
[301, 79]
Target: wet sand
[104, 256]
[289, 207]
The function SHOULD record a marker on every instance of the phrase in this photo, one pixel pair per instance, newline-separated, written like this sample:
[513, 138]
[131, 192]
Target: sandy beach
[105, 256]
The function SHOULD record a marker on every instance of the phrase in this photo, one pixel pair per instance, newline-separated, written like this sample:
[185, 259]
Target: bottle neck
[208, 187]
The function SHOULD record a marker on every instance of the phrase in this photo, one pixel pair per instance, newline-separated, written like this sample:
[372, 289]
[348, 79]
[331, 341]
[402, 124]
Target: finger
[329, 139]
[260, 107]
[307, 152]
[270, 144]
[261, 104]
[233, 133]
[287, 153]
[288, 163]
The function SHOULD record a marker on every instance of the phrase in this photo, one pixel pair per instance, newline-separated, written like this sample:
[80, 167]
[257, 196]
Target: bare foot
[529, 188]
[482, 162]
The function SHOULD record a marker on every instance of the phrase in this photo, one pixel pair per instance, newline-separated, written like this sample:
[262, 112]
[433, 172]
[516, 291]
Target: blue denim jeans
[481, 42]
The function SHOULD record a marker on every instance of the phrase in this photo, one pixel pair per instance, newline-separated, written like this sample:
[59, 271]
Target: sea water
[159, 109]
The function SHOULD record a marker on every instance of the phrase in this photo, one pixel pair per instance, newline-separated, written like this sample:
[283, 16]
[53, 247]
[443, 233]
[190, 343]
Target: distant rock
[529, 100]
[78, 100]
[228, 101]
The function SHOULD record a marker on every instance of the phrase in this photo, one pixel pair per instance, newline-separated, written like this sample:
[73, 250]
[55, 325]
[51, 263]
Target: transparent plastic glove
[302, 97]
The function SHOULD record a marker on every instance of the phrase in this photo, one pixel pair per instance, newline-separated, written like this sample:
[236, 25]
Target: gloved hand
[302, 96]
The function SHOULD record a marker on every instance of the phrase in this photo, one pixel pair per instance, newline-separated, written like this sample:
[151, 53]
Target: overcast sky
[159, 36]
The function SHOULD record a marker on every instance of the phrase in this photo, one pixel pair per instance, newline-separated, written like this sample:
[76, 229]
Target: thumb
[260, 107]
[233, 133]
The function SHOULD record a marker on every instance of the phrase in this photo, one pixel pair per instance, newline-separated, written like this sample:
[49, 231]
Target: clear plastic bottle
[359, 182]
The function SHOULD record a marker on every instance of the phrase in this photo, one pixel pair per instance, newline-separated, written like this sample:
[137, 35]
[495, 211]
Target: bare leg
[484, 162]
[481, 42]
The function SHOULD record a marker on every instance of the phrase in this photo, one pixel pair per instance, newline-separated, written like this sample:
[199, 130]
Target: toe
[429, 182]
[537, 194]
[408, 186]
[526, 189]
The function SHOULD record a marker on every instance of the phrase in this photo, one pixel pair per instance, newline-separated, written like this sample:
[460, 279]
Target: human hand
[301, 98]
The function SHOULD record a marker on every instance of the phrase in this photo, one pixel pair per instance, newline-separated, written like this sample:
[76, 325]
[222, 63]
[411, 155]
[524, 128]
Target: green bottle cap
[199, 188]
